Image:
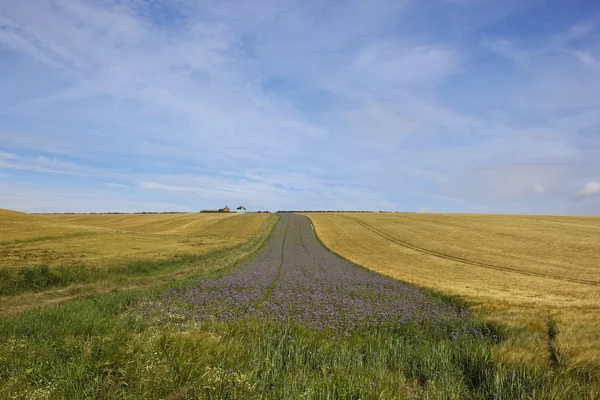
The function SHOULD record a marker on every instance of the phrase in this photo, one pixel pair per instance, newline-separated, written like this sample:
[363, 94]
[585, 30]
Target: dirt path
[295, 278]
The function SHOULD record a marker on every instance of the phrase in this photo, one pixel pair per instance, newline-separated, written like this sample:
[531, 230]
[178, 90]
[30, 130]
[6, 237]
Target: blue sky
[453, 106]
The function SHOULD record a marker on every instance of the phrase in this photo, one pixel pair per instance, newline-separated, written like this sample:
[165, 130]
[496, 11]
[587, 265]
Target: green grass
[100, 348]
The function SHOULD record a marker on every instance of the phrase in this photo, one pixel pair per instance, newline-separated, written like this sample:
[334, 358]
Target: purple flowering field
[296, 279]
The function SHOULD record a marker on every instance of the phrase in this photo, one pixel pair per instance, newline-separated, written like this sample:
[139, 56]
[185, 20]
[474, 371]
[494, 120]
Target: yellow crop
[107, 243]
[518, 270]
[102, 239]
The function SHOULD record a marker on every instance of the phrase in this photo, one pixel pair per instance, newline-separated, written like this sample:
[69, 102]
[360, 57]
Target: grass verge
[100, 348]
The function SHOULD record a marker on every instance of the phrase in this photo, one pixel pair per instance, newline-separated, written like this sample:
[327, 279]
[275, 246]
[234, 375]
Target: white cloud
[56, 166]
[518, 182]
[508, 49]
[115, 185]
[392, 63]
[260, 190]
[8, 156]
[539, 189]
[49, 198]
[587, 59]
[351, 104]
[592, 188]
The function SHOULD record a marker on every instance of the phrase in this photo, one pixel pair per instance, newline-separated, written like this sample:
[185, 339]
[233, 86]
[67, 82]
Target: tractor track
[273, 283]
[467, 261]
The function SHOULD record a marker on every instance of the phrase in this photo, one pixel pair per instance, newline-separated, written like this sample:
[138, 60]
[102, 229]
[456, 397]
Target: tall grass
[41, 277]
[99, 348]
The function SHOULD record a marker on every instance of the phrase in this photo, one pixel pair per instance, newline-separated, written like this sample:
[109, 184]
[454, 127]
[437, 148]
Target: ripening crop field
[55, 257]
[520, 271]
[102, 239]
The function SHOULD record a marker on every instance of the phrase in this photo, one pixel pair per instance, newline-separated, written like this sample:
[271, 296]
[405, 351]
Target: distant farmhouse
[224, 209]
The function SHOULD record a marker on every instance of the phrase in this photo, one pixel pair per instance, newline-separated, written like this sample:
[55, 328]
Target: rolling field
[293, 322]
[520, 271]
[49, 258]
[173, 224]
[102, 239]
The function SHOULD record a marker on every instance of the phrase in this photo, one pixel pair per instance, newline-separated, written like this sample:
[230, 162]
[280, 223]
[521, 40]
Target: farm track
[273, 284]
[464, 260]
[296, 279]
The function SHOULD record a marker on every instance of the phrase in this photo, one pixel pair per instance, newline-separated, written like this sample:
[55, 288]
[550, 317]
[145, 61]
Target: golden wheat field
[517, 270]
[104, 239]
[49, 259]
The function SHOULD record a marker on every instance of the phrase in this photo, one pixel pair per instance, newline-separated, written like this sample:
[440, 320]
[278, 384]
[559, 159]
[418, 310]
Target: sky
[478, 106]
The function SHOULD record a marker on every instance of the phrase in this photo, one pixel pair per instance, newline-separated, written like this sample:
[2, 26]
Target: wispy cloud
[378, 105]
[592, 188]
[588, 59]
[43, 164]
